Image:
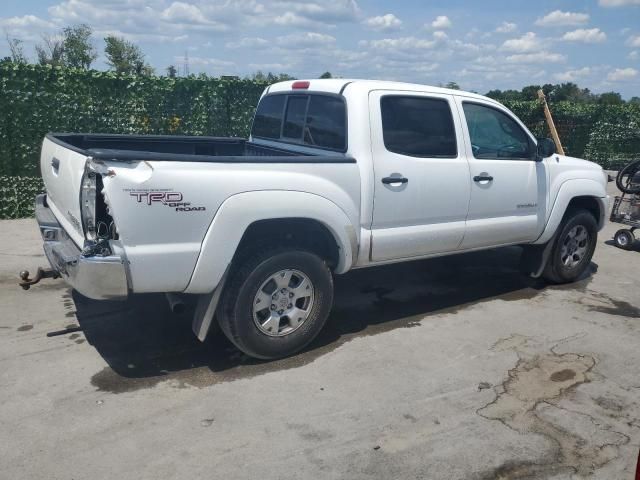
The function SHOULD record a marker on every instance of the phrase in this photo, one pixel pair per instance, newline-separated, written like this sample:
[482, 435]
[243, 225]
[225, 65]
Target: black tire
[624, 239]
[623, 180]
[236, 317]
[556, 271]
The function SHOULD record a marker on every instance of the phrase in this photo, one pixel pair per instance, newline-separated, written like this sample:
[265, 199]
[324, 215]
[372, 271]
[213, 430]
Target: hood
[575, 163]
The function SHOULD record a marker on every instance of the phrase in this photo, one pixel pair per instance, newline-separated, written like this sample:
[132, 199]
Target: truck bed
[179, 148]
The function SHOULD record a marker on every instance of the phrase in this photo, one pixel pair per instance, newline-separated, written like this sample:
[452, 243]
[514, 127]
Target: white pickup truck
[336, 175]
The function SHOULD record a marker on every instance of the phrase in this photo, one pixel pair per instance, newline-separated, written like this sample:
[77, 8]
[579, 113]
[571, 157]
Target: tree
[143, 69]
[634, 100]
[452, 86]
[259, 76]
[50, 51]
[495, 94]
[530, 92]
[78, 49]
[172, 72]
[125, 57]
[17, 52]
[610, 98]
[326, 75]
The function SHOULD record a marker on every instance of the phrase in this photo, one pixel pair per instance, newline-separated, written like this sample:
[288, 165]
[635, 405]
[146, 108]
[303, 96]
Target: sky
[481, 45]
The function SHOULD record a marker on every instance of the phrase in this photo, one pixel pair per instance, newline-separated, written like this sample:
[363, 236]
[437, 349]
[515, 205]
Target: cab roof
[340, 85]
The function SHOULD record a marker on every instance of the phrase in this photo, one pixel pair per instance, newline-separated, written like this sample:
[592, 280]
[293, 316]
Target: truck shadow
[143, 343]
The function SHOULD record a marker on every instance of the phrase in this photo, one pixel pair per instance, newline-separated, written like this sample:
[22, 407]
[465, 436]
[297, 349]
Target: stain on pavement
[529, 402]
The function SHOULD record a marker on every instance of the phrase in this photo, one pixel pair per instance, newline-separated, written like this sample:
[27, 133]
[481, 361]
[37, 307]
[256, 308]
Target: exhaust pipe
[176, 304]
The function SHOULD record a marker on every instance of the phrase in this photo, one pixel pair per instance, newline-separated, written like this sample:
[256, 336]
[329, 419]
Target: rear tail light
[88, 203]
[300, 85]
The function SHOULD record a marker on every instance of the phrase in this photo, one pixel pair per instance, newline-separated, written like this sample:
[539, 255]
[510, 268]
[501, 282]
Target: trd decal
[165, 197]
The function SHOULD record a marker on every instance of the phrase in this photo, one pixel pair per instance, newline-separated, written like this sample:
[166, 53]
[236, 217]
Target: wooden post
[552, 126]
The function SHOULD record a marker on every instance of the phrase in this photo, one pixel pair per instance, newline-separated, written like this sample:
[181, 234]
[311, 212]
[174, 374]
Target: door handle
[483, 178]
[389, 180]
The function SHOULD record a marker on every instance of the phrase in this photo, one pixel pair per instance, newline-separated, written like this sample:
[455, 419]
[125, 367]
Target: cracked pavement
[455, 368]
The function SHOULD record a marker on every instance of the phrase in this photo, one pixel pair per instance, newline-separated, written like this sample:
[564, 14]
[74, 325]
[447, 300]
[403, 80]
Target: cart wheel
[624, 239]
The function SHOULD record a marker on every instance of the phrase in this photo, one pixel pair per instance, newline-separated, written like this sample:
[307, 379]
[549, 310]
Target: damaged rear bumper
[97, 277]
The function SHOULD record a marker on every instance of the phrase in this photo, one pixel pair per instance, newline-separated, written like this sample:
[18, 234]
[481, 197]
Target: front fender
[241, 210]
[580, 187]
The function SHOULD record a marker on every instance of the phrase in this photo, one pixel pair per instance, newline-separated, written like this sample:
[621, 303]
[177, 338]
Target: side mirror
[546, 148]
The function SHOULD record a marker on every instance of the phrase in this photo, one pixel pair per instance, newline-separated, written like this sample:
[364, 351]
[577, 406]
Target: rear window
[313, 120]
[418, 126]
[294, 117]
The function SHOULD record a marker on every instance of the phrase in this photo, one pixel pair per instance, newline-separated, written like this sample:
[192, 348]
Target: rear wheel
[276, 301]
[624, 239]
[573, 247]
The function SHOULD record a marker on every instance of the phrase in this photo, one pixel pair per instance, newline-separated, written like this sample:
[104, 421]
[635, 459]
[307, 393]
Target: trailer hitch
[40, 274]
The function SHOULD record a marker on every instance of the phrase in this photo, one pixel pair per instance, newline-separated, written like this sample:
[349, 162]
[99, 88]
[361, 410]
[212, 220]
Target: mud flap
[206, 310]
[535, 257]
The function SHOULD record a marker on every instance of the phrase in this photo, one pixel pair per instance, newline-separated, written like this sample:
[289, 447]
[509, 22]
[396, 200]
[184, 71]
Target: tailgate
[62, 170]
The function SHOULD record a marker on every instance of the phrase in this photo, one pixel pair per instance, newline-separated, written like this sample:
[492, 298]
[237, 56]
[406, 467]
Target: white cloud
[404, 43]
[180, 12]
[306, 39]
[440, 35]
[27, 27]
[383, 22]
[538, 57]
[247, 42]
[290, 19]
[527, 43]
[622, 74]
[558, 18]
[25, 21]
[633, 41]
[635, 55]
[590, 35]
[271, 67]
[506, 27]
[319, 10]
[572, 75]
[425, 68]
[168, 19]
[617, 3]
[441, 22]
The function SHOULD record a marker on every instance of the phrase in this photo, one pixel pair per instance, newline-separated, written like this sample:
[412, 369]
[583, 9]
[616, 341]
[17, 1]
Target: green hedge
[38, 99]
[605, 134]
[17, 195]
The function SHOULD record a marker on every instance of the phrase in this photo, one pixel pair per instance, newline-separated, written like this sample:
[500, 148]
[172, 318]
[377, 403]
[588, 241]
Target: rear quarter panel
[163, 210]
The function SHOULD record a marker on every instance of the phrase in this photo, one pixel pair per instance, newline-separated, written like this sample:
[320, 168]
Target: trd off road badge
[163, 196]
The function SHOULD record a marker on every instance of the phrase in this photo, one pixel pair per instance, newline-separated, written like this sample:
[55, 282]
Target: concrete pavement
[455, 368]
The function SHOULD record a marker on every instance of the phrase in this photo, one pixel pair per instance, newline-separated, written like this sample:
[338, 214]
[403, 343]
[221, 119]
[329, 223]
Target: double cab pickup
[336, 175]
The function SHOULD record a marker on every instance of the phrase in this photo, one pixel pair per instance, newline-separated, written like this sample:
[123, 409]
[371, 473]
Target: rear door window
[268, 119]
[418, 126]
[314, 120]
[326, 123]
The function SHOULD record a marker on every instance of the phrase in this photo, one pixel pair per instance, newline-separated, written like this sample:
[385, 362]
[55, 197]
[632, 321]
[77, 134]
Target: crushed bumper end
[97, 277]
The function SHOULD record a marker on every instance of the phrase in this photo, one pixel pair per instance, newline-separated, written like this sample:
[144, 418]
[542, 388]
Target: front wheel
[276, 302]
[573, 247]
